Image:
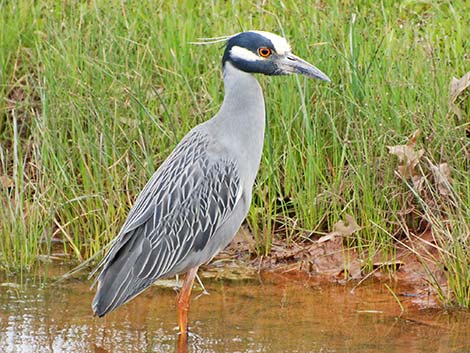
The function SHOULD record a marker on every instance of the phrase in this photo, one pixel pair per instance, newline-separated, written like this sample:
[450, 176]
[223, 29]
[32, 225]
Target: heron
[195, 202]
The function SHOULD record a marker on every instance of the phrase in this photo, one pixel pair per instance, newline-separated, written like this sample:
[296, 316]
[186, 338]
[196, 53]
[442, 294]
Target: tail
[118, 282]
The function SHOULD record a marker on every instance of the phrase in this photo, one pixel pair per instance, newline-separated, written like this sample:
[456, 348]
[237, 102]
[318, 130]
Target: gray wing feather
[176, 214]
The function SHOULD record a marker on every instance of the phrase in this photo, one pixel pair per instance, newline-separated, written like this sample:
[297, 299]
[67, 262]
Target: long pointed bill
[294, 64]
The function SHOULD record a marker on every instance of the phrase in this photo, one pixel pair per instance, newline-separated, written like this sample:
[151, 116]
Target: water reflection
[236, 317]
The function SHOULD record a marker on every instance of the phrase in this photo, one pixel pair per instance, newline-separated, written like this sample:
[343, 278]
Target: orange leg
[182, 344]
[182, 301]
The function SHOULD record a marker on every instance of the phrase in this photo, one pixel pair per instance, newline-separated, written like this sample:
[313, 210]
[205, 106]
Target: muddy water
[263, 315]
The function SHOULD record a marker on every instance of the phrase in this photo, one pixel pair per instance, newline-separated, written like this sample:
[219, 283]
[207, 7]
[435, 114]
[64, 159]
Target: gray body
[235, 135]
[244, 123]
[196, 201]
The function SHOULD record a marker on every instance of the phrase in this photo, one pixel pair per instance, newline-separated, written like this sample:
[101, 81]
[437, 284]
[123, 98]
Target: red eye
[264, 52]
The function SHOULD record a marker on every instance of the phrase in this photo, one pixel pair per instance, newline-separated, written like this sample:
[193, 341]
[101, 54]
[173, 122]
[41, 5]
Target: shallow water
[274, 314]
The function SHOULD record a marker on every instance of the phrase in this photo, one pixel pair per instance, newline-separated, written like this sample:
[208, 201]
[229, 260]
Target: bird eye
[264, 52]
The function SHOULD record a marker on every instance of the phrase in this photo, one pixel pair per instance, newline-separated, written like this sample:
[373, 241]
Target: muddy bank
[330, 262]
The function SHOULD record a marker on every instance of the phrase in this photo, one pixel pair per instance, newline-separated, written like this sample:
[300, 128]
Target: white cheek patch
[281, 46]
[243, 54]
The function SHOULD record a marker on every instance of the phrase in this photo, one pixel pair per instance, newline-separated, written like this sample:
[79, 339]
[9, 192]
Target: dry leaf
[329, 236]
[132, 123]
[6, 182]
[442, 177]
[387, 264]
[346, 228]
[233, 273]
[10, 285]
[342, 228]
[169, 283]
[457, 86]
[418, 182]
[408, 158]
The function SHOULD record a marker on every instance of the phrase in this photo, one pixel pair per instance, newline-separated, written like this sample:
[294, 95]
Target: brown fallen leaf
[169, 283]
[10, 285]
[418, 182]
[6, 182]
[342, 228]
[229, 271]
[408, 158]
[388, 264]
[442, 177]
[457, 86]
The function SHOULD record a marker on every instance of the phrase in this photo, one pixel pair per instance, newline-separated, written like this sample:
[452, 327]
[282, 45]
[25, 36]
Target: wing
[176, 214]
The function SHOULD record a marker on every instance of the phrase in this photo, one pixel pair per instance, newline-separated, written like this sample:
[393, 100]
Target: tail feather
[118, 282]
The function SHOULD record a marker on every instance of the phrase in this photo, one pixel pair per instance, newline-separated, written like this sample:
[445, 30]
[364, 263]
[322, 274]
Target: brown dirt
[330, 261]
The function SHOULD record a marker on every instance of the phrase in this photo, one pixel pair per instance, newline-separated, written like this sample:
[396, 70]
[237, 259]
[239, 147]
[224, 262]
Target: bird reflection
[182, 343]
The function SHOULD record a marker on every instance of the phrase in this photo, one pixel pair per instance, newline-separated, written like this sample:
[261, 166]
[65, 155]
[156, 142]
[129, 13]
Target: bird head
[266, 53]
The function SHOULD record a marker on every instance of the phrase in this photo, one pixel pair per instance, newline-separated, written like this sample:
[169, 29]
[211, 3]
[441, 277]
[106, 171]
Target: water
[269, 314]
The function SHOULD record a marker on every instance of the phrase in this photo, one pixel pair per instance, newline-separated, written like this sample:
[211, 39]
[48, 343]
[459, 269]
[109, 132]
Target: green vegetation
[94, 95]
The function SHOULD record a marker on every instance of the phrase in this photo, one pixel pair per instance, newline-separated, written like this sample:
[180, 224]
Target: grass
[94, 96]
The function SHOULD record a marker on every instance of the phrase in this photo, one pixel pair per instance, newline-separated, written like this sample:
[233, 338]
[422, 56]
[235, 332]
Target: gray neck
[242, 111]
[239, 124]
[243, 98]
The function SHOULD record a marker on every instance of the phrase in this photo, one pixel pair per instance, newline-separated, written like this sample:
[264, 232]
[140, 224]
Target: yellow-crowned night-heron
[195, 202]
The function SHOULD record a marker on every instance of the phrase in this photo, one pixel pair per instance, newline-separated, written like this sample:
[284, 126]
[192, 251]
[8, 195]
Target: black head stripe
[248, 40]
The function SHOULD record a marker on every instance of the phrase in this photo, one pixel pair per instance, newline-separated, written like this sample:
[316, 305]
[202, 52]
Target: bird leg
[182, 301]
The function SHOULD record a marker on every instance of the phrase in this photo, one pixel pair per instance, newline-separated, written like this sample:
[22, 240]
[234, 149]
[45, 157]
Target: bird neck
[240, 86]
[243, 105]
[239, 124]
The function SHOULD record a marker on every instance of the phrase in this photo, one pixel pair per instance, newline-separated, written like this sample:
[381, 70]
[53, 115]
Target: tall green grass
[94, 96]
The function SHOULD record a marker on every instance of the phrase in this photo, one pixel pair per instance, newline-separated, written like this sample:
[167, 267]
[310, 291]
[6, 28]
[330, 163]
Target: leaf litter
[457, 87]
[408, 158]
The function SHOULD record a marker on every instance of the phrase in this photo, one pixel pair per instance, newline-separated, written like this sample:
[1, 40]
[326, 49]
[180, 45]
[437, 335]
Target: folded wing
[177, 213]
